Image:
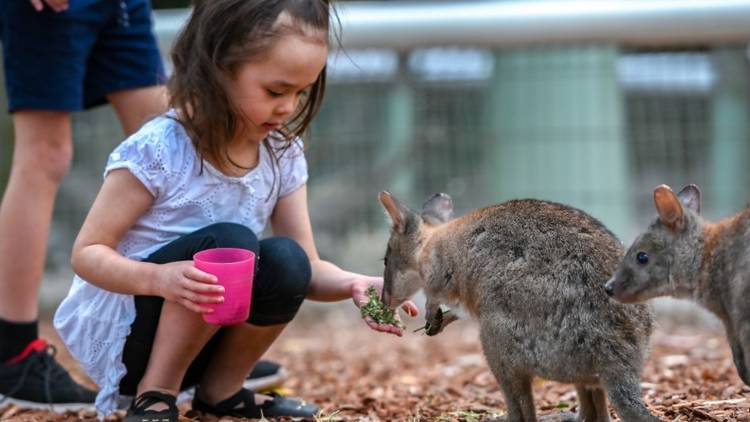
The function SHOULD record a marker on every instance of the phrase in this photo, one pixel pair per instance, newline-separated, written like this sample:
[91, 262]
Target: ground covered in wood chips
[359, 375]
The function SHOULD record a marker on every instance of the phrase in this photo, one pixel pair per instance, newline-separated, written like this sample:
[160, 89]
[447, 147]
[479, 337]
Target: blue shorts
[72, 60]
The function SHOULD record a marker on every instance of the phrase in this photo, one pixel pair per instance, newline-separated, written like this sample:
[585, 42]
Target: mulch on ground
[359, 375]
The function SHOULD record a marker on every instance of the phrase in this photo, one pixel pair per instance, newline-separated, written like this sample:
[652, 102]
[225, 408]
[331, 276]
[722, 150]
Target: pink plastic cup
[234, 268]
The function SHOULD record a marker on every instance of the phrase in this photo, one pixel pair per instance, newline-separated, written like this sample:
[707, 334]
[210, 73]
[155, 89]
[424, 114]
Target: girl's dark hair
[220, 36]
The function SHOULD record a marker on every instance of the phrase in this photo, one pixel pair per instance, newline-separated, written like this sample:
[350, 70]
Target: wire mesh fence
[594, 126]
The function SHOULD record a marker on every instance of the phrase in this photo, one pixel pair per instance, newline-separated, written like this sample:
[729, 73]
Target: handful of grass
[376, 309]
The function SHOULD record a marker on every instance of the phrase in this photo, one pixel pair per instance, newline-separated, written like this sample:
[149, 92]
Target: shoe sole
[54, 407]
[254, 384]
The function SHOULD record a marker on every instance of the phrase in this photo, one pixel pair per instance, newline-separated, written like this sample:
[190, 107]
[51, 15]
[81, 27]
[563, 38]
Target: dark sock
[15, 336]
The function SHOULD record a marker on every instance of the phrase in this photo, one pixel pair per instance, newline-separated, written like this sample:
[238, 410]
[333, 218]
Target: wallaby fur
[532, 273]
[685, 256]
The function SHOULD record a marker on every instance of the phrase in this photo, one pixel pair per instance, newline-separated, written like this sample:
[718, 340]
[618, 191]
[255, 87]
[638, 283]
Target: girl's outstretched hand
[192, 288]
[361, 298]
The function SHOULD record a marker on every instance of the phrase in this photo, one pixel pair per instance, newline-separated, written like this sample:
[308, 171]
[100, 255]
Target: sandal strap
[149, 398]
[242, 404]
[243, 400]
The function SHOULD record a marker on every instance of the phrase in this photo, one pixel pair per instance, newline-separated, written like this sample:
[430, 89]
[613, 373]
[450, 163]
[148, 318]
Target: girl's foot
[151, 406]
[242, 404]
[266, 375]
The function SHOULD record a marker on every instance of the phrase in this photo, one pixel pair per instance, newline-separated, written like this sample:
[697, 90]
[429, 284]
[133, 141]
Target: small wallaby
[685, 256]
[532, 273]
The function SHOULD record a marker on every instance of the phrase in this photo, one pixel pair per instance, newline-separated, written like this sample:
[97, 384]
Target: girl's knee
[232, 235]
[287, 263]
[282, 282]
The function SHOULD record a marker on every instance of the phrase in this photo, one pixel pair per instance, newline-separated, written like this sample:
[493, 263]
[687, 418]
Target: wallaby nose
[386, 298]
[609, 288]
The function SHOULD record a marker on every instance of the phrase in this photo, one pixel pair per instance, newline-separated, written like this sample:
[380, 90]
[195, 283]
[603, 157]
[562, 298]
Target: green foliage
[376, 309]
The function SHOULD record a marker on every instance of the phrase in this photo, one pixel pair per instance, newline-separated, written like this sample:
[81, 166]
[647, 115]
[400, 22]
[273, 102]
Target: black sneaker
[242, 405]
[34, 380]
[139, 412]
[265, 375]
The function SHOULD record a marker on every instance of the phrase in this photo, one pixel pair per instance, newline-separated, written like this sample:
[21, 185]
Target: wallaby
[532, 273]
[682, 255]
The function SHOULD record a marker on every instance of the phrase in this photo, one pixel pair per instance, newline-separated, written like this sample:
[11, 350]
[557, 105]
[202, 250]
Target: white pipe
[405, 25]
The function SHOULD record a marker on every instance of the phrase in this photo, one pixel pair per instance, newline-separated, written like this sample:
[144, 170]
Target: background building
[592, 104]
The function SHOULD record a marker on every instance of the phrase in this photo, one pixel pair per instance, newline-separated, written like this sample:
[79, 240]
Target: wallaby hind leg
[624, 392]
[739, 361]
[517, 393]
[592, 404]
[741, 352]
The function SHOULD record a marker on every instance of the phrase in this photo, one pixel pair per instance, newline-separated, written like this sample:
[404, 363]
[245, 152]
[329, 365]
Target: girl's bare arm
[120, 202]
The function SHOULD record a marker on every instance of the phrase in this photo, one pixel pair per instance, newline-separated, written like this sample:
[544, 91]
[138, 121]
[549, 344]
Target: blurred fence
[587, 103]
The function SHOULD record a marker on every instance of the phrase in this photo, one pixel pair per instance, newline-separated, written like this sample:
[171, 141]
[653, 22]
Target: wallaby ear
[438, 209]
[394, 210]
[668, 207]
[690, 196]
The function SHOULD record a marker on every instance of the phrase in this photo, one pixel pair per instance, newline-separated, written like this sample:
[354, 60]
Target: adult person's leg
[136, 106]
[44, 70]
[29, 375]
[42, 155]
[45, 76]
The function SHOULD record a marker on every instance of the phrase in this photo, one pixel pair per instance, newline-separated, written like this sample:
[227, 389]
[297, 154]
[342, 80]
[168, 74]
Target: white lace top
[94, 322]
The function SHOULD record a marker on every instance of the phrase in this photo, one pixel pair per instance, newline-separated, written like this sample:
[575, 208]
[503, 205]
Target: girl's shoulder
[161, 143]
[163, 132]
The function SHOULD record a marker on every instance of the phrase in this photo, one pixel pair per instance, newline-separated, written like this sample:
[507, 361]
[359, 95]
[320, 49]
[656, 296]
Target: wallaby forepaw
[438, 320]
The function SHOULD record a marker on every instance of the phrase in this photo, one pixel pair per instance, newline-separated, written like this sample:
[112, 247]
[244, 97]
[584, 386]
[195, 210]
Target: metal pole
[405, 25]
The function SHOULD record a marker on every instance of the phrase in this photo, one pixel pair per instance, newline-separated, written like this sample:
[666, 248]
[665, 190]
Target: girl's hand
[181, 282]
[359, 295]
[56, 5]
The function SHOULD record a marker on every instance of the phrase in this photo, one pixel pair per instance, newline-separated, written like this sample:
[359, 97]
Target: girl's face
[268, 90]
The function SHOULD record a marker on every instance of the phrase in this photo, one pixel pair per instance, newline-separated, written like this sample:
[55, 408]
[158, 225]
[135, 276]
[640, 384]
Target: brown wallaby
[682, 255]
[532, 273]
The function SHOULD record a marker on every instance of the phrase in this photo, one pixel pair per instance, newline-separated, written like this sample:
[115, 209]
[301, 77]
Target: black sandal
[138, 409]
[242, 404]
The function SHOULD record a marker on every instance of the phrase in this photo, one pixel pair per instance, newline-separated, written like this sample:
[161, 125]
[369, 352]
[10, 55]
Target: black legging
[282, 278]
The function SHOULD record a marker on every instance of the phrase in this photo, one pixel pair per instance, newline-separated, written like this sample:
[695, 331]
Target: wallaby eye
[385, 261]
[642, 258]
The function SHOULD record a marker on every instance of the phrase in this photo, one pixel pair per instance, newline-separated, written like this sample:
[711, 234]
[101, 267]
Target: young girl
[248, 78]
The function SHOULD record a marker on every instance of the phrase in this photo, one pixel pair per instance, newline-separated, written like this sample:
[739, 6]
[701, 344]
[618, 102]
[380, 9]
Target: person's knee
[49, 156]
[285, 270]
[288, 264]
[232, 235]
